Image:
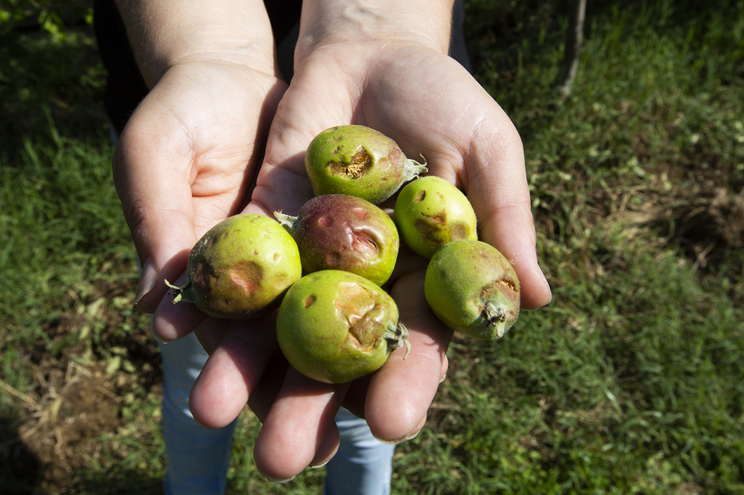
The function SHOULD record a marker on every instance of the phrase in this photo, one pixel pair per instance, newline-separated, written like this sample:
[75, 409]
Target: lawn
[630, 381]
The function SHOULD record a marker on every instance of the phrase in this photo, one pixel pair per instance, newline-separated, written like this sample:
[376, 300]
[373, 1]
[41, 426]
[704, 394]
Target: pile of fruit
[324, 268]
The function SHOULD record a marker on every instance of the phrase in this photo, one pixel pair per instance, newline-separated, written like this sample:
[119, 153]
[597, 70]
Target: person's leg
[363, 465]
[198, 457]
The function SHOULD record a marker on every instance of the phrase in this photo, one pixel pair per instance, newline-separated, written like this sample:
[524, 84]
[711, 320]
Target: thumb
[150, 170]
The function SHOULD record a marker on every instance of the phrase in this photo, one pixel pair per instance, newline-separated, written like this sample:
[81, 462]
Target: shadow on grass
[38, 73]
[20, 469]
[117, 482]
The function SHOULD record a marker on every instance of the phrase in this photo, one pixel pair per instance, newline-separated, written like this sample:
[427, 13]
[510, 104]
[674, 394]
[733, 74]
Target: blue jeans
[198, 457]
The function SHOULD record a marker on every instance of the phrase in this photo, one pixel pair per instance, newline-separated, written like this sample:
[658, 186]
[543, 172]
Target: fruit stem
[287, 221]
[495, 315]
[397, 336]
[413, 169]
[183, 293]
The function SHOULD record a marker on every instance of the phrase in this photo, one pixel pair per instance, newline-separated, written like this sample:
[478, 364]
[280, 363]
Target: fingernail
[413, 435]
[156, 336]
[148, 279]
[323, 462]
[320, 464]
[547, 284]
[444, 377]
[389, 442]
[275, 480]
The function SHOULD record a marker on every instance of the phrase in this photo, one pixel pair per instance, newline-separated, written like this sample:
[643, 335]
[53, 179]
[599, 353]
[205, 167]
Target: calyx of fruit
[472, 288]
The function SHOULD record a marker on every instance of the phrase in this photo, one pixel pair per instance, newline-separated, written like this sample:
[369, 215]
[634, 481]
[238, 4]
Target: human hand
[430, 105]
[186, 160]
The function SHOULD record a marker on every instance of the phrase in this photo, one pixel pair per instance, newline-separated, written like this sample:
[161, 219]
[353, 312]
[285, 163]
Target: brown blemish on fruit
[203, 276]
[438, 218]
[333, 259]
[247, 276]
[509, 283]
[356, 168]
[309, 300]
[509, 290]
[277, 257]
[420, 196]
[359, 213]
[458, 231]
[431, 225]
[356, 305]
[365, 243]
[325, 221]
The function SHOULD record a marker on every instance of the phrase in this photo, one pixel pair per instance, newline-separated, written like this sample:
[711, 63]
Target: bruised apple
[358, 161]
[430, 212]
[341, 232]
[240, 268]
[335, 326]
[472, 288]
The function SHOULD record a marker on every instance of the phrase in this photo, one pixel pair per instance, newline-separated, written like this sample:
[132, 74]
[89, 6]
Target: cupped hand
[185, 161]
[432, 107]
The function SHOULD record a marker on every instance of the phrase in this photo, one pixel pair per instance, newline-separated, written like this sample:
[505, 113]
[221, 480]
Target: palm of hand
[187, 156]
[431, 106]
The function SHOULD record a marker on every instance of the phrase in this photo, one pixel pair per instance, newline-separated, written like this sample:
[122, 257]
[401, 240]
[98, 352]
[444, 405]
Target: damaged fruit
[341, 232]
[430, 212]
[240, 268]
[472, 288]
[335, 326]
[358, 161]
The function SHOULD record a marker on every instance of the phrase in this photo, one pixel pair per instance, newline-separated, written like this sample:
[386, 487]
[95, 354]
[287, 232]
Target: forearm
[164, 33]
[426, 22]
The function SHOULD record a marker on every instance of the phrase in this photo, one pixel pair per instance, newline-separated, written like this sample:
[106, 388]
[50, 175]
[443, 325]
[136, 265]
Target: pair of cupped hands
[215, 137]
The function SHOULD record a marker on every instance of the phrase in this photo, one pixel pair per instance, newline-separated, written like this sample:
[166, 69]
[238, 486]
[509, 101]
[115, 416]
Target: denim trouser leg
[198, 457]
[363, 464]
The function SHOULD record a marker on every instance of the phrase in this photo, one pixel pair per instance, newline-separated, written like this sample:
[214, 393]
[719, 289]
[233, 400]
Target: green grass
[629, 382]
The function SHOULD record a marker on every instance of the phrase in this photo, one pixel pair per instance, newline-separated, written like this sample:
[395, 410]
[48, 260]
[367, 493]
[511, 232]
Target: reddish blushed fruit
[240, 268]
[472, 288]
[341, 232]
[335, 326]
[358, 161]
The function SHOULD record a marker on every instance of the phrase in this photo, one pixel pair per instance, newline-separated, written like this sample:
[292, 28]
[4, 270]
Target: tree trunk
[572, 51]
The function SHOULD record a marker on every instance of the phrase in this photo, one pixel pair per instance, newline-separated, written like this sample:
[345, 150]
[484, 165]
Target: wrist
[421, 22]
[166, 33]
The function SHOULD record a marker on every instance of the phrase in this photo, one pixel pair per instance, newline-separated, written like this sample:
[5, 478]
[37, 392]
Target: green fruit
[340, 232]
[430, 212]
[472, 288]
[240, 268]
[358, 161]
[335, 326]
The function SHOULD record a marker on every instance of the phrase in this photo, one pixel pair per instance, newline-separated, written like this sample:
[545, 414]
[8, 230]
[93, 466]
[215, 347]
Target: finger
[300, 429]
[401, 392]
[172, 320]
[210, 333]
[149, 173]
[309, 106]
[232, 371]
[497, 187]
[356, 395]
[266, 390]
[469, 141]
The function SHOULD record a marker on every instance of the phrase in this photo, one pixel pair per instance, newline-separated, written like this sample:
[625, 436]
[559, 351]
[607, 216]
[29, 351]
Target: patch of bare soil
[704, 217]
[76, 401]
[79, 406]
